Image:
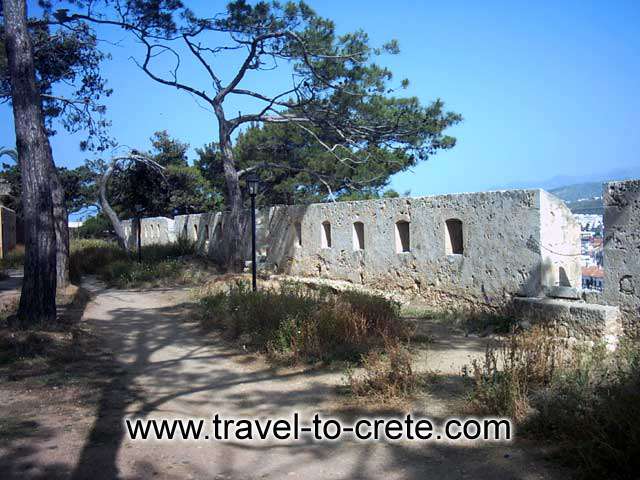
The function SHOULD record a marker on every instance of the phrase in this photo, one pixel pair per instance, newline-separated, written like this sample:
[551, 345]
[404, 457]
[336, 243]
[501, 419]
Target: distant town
[592, 241]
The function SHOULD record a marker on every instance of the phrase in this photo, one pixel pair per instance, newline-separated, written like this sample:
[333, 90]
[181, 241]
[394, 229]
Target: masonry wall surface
[502, 234]
[559, 250]
[508, 243]
[155, 230]
[622, 249]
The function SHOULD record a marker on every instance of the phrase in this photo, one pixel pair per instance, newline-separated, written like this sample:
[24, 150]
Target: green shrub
[92, 256]
[183, 247]
[303, 324]
[98, 226]
[128, 273]
[470, 321]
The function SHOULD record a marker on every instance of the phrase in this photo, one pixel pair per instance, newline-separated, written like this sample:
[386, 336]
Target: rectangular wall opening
[403, 239]
[217, 232]
[325, 240]
[453, 240]
[298, 230]
[358, 236]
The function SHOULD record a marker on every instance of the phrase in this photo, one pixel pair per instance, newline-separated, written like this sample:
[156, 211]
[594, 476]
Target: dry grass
[583, 398]
[465, 319]
[14, 259]
[386, 375]
[512, 369]
[291, 321]
[57, 341]
[162, 265]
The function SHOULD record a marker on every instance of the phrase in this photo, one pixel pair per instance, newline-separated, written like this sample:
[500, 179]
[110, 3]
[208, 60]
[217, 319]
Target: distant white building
[589, 222]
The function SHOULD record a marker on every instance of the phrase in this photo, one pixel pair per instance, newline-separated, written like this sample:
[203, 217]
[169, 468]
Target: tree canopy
[78, 185]
[336, 94]
[178, 188]
[181, 188]
[69, 78]
[306, 161]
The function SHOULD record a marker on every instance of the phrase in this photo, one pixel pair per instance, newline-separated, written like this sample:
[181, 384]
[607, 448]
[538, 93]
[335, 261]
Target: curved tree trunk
[108, 211]
[234, 253]
[38, 298]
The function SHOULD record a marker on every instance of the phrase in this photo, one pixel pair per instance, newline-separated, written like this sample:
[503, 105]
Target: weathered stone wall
[571, 319]
[501, 255]
[155, 230]
[558, 231]
[476, 248]
[622, 249]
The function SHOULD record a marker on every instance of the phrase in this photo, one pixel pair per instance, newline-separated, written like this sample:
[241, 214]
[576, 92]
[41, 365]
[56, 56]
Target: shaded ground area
[152, 359]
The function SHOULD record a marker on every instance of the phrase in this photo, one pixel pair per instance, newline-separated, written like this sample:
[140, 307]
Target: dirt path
[165, 367]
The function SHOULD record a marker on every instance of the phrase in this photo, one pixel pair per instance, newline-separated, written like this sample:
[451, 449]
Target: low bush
[183, 247]
[128, 274]
[98, 226]
[301, 324]
[586, 399]
[593, 411]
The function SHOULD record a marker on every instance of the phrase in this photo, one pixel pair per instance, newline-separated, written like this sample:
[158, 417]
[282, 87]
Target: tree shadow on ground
[36, 370]
[171, 370]
[165, 366]
[15, 461]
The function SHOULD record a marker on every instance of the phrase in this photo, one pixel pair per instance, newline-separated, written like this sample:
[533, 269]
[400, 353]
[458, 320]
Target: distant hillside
[582, 192]
[582, 197]
[578, 191]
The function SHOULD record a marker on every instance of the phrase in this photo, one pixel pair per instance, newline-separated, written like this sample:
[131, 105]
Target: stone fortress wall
[516, 248]
[477, 247]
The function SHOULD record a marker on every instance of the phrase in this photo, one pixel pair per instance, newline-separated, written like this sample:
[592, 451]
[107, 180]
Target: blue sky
[547, 89]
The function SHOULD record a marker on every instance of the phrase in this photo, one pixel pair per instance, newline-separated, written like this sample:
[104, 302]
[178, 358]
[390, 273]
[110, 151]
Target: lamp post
[252, 183]
[139, 209]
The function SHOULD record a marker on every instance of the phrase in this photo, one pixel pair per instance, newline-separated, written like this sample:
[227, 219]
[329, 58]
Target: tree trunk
[234, 253]
[109, 212]
[61, 221]
[38, 298]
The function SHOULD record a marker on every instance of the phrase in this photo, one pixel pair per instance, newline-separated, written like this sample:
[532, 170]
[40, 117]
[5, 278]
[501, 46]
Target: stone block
[570, 318]
[558, 291]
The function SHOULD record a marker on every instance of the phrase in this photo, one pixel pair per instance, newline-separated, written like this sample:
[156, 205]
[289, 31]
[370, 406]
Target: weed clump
[468, 320]
[511, 370]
